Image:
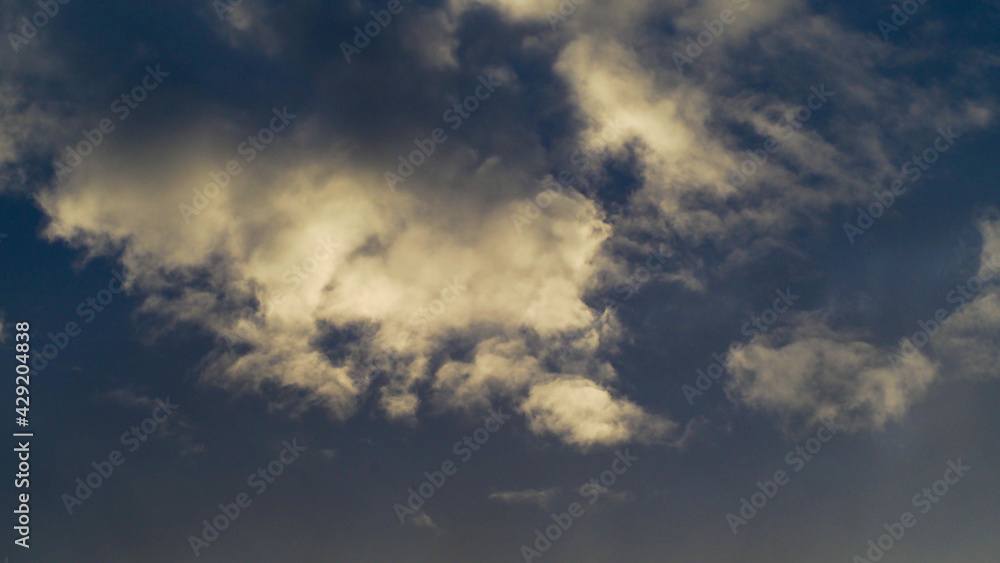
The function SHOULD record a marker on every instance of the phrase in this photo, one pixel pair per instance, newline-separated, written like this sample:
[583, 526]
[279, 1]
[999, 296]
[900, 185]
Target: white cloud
[690, 130]
[969, 343]
[584, 414]
[539, 498]
[811, 373]
[383, 283]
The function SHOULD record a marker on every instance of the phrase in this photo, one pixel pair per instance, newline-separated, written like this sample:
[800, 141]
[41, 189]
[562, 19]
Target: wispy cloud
[540, 498]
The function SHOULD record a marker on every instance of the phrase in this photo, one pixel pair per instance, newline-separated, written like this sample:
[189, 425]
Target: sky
[451, 281]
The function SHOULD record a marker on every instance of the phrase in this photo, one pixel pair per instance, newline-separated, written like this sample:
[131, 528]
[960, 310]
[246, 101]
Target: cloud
[432, 37]
[689, 130]
[309, 329]
[969, 343]
[130, 399]
[383, 285]
[582, 413]
[618, 497]
[517, 10]
[539, 498]
[245, 25]
[25, 123]
[811, 373]
[422, 520]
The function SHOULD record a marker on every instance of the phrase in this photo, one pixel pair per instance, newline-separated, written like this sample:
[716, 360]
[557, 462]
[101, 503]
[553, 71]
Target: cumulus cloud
[582, 413]
[692, 130]
[812, 373]
[403, 275]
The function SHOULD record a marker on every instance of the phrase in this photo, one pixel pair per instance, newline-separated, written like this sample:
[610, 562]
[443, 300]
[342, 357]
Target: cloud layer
[288, 249]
